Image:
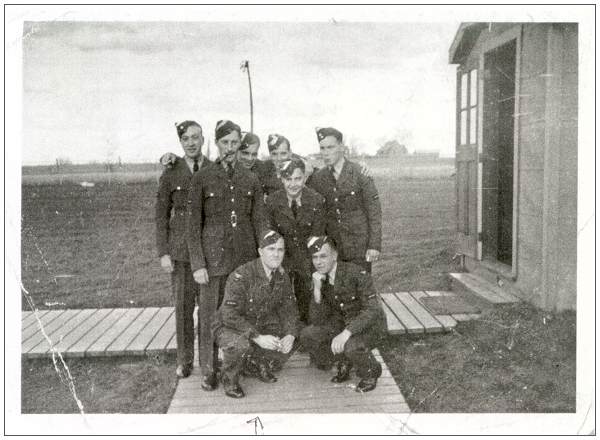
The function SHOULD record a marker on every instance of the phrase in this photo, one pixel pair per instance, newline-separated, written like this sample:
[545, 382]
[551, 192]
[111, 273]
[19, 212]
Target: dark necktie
[272, 281]
[325, 286]
[229, 170]
[196, 168]
[294, 208]
[332, 169]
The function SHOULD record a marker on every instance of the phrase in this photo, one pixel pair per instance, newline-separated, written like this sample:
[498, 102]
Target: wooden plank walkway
[137, 331]
[98, 332]
[299, 389]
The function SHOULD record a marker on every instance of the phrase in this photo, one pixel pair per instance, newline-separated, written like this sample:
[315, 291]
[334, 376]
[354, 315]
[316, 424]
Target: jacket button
[232, 200]
[341, 304]
[250, 300]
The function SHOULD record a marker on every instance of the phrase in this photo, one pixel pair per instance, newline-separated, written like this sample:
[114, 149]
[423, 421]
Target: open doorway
[498, 153]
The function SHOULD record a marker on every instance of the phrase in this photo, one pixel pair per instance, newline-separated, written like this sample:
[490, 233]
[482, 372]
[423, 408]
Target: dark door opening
[497, 149]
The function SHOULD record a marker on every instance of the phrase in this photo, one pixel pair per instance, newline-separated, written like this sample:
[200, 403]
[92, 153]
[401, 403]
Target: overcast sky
[98, 91]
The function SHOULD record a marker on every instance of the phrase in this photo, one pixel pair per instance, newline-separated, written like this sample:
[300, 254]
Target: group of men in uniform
[272, 263]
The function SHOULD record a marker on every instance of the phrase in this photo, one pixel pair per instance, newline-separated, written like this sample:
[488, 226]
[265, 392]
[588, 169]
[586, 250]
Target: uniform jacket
[310, 221]
[171, 209]
[226, 217]
[352, 304]
[251, 308]
[267, 176]
[353, 210]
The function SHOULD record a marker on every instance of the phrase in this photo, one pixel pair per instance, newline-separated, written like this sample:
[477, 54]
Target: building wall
[547, 163]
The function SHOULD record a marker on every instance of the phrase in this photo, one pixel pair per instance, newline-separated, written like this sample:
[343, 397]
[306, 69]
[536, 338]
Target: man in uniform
[171, 212]
[258, 321]
[352, 203]
[297, 213]
[264, 170]
[280, 152]
[346, 316]
[226, 218]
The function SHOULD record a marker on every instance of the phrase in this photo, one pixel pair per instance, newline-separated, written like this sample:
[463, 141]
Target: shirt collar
[298, 200]
[190, 162]
[268, 271]
[338, 167]
[332, 274]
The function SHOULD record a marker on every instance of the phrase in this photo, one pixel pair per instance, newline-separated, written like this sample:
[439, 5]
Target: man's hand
[268, 342]
[338, 343]
[167, 160]
[201, 276]
[286, 343]
[166, 264]
[372, 255]
[317, 281]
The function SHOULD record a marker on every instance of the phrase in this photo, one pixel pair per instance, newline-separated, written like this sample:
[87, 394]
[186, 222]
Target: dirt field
[95, 246]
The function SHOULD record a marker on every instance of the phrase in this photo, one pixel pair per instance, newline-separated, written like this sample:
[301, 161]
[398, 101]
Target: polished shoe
[232, 388]
[274, 365]
[343, 373]
[184, 371]
[367, 384]
[264, 374]
[209, 382]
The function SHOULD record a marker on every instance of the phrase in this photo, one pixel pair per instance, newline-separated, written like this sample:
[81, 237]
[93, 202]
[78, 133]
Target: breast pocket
[179, 194]
[351, 200]
[246, 199]
[212, 201]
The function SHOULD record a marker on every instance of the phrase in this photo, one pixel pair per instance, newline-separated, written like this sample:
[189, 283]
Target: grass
[103, 385]
[516, 358]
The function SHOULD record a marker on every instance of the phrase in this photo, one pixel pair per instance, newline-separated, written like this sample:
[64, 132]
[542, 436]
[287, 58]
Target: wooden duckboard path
[405, 313]
[300, 388]
[98, 332]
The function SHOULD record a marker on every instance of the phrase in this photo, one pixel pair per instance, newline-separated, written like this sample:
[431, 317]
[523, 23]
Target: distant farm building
[516, 157]
[392, 149]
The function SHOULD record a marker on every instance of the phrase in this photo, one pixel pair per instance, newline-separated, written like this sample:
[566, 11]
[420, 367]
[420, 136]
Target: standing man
[171, 213]
[264, 170]
[226, 218]
[352, 203]
[258, 322]
[346, 316]
[297, 213]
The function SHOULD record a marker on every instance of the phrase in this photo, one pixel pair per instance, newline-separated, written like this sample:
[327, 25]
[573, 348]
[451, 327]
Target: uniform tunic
[353, 211]
[171, 218]
[226, 218]
[252, 307]
[351, 304]
[310, 221]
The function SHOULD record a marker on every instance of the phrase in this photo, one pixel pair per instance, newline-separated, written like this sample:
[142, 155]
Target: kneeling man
[346, 317]
[257, 322]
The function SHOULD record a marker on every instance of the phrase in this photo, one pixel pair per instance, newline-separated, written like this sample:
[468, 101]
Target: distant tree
[392, 148]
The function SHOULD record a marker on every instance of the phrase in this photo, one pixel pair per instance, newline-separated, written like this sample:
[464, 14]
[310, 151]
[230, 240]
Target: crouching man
[346, 317]
[257, 323]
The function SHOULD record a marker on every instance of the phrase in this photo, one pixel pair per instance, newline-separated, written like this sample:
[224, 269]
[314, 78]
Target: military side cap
[316, 243]
[182, 127]
[275, 140]
[323, 132]
[269, 238]
[224, 127]
[248, 139]
[288, 167]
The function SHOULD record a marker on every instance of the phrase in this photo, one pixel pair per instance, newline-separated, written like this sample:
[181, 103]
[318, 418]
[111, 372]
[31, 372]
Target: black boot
[209, 381]
[232, 387]
[369, 380]
[264, 373]
[343, 372]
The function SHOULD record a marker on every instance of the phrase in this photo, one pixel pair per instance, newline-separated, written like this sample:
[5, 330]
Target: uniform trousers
[302, 285]
[209, 300]
[317, 341]
[185, 291]
[236, 346]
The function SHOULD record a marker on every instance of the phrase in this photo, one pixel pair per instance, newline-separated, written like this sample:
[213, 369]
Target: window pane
[463, 91]
[463, 127]
[473, 126]
[473, 87]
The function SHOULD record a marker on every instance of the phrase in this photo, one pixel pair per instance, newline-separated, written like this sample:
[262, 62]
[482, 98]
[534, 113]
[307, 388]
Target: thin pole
[246, 68]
